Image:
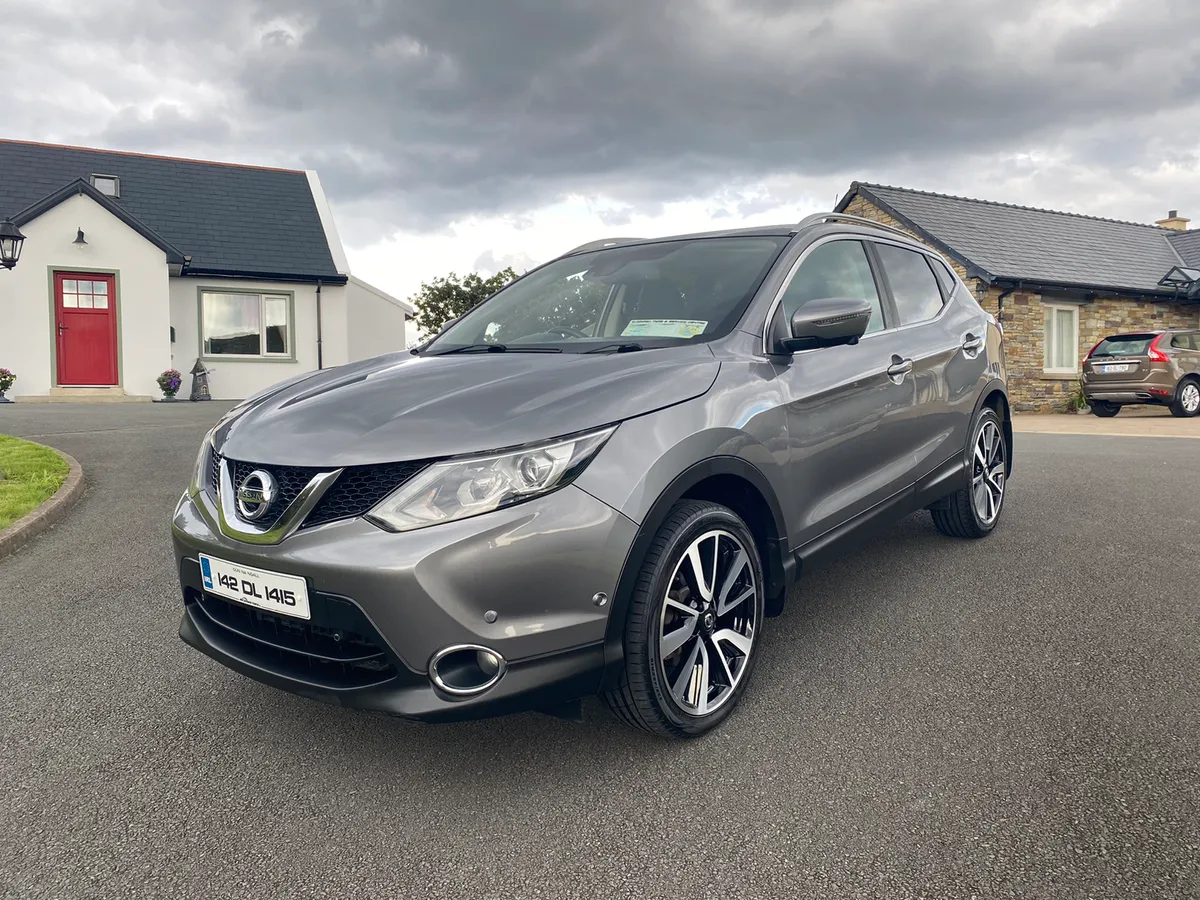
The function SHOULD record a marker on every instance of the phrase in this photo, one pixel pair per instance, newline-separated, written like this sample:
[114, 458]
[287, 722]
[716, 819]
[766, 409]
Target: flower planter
[4, 399]
[169, 383]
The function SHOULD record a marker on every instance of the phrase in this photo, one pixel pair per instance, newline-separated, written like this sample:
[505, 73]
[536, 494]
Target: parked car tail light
[1157, 355]
[1093, 350]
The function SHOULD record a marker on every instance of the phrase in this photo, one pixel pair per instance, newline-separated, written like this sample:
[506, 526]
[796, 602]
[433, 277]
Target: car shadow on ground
[834, 606]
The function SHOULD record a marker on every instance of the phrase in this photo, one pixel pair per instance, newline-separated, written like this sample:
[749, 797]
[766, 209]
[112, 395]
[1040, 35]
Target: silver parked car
[602, 480]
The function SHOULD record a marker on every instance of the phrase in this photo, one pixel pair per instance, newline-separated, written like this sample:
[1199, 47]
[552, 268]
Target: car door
[1188, 359]
[844, 404]
[942, 339]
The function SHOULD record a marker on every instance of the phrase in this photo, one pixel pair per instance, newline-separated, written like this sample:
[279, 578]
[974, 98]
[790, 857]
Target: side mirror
[827, 323]
[446, 325]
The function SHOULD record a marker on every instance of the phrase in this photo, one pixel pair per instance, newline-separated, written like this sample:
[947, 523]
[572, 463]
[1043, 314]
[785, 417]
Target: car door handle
[972, 345]
[899, 368]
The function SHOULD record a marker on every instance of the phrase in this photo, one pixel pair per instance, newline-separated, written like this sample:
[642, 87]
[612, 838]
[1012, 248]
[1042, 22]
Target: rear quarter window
[945, 276]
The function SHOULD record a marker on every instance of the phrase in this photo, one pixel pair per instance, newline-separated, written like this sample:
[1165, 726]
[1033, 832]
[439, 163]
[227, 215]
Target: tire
[959, 514]
[658, 691]
[1104, 409]
[1187, 399]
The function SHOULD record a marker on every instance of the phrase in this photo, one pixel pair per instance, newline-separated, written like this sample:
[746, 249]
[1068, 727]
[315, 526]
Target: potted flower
[6, 381]
[169, 381]
[1077, 402]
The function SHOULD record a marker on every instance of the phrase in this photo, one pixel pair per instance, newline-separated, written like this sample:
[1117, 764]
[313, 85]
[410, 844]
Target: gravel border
[42, 519]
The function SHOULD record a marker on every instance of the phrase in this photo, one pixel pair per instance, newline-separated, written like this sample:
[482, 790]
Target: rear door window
[914, 287]
[1184, 341]
[1125, 345]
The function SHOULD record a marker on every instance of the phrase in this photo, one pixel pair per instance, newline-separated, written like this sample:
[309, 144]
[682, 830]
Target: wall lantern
[79, 240]
[11, 241]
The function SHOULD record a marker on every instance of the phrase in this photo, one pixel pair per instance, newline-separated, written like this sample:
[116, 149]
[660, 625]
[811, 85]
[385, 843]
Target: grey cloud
[489, 263]
[417, 113]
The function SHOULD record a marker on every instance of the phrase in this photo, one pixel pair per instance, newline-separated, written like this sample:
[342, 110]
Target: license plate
[1119, 368]
[284, 594]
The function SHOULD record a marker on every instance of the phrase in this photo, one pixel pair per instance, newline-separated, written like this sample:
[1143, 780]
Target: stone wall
[1023, 315]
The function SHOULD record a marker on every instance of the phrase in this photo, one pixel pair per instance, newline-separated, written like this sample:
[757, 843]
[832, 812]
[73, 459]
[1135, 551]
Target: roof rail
[819, 218]
[601, 244]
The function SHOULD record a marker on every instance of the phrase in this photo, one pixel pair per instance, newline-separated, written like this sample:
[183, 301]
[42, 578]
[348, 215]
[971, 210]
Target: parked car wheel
[1187, 400]
[691, 636]
[973, 511]
[1104, 409]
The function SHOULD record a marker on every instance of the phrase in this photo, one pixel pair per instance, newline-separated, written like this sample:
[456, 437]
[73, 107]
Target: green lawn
[29, 475]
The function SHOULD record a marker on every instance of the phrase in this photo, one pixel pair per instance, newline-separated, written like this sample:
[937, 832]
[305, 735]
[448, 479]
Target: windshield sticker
[676, 328]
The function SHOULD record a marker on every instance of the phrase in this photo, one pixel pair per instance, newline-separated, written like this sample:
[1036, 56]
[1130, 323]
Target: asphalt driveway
[1018, 717]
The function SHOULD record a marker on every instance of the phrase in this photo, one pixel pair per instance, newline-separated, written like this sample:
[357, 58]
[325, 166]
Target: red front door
[85, 310]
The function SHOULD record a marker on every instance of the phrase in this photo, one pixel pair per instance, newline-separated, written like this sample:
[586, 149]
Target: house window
[108, 185]
[1061, 340]
[255, 325]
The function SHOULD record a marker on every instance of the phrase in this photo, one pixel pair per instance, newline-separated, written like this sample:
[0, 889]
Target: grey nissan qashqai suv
[601, 480]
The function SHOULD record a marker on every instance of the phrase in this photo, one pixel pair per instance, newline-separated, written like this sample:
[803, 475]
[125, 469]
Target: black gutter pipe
[320, 357]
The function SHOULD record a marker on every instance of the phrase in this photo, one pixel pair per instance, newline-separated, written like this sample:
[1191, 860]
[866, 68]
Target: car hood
[401, 407]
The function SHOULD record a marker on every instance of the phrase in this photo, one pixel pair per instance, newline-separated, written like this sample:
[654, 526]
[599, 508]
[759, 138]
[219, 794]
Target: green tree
[447, 298]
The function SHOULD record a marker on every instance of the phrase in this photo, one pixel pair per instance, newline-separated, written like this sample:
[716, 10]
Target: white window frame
[289, 353]
[116, 185]
[1048, 310]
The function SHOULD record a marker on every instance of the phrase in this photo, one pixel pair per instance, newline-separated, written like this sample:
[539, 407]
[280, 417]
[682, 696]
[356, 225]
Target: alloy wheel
[1189, 398]
[707, 626]
[988, 473]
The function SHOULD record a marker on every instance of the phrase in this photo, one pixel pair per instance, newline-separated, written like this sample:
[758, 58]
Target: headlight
[199, 473]
[199, 470]
[460, 488]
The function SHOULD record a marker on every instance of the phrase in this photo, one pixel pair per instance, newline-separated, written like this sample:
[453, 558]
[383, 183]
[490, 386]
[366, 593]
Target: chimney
[1173, 221]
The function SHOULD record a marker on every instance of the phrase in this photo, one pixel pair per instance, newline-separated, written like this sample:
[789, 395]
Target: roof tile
[1021, 242]
[226, 217]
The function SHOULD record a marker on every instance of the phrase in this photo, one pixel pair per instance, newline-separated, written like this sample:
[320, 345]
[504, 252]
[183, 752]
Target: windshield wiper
[629, 347]
[473, 348]
[496, 348]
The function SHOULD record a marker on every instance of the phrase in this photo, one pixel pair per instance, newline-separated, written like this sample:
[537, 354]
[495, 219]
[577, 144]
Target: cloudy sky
[468, 134]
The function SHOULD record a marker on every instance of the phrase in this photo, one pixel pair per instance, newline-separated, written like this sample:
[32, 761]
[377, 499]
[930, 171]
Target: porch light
[11, 241]
[79, 240]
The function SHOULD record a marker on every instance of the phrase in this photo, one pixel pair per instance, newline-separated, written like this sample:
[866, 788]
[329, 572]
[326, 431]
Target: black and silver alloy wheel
[988, 471]
[973, 510]
[707, 625]
[691, 629]
[1188, 402]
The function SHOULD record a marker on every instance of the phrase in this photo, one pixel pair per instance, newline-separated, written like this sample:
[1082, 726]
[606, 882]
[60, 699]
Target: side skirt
[931, 490]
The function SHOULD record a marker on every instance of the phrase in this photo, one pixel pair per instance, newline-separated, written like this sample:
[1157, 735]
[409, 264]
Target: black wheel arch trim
[780, 565]
[1006, 420]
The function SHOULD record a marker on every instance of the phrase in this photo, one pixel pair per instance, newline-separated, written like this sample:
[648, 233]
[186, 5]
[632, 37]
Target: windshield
[1124, 345]
[631, 297]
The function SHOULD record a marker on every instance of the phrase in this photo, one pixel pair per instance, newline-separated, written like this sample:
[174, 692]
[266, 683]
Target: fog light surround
[463, 670]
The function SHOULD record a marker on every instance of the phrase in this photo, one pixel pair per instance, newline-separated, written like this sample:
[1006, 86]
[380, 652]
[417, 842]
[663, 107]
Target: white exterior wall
[26, 296]
[234, 378]
[376, 323]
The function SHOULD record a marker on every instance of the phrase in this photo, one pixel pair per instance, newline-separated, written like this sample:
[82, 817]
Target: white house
[134, 264]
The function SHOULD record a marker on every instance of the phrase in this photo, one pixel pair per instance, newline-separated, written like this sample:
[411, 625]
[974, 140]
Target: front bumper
[537, 566]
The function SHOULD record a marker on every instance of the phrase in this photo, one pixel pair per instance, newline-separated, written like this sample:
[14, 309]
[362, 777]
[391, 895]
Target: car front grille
[357, 490]
[337, 648]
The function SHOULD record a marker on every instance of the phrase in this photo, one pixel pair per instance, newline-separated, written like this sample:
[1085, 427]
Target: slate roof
[1187, 245]
[999, 241]
[231, 219]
